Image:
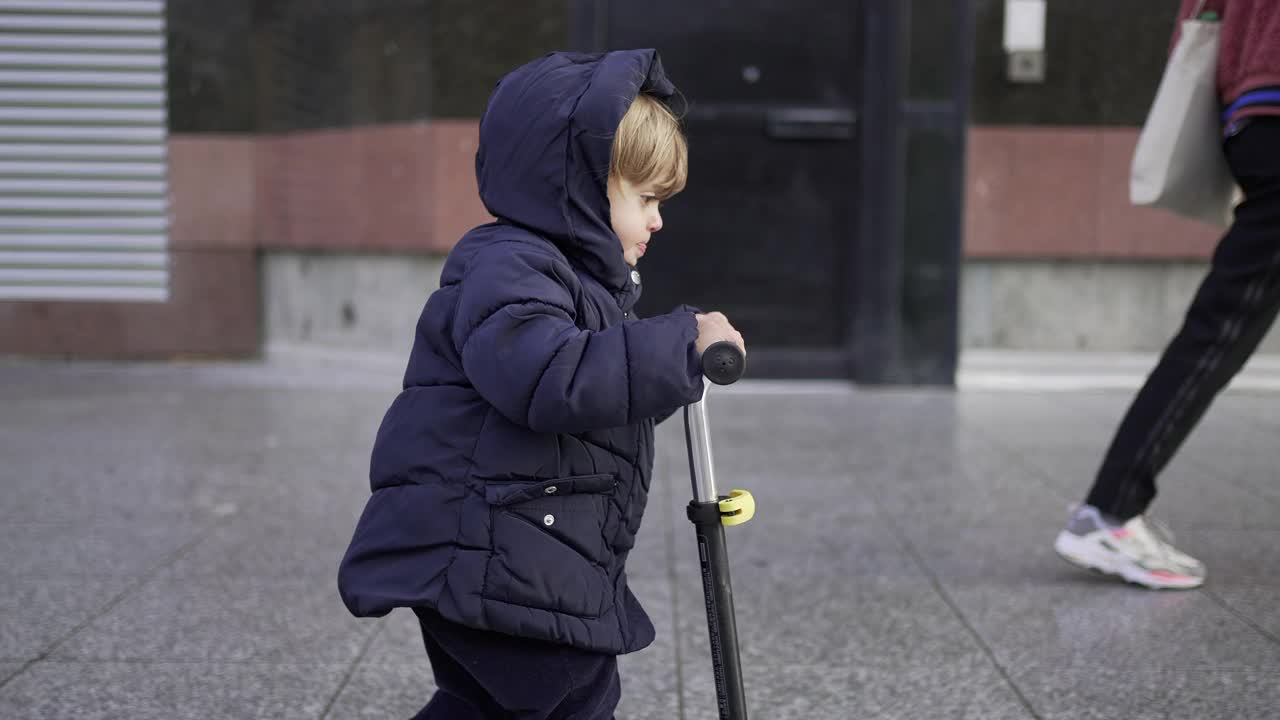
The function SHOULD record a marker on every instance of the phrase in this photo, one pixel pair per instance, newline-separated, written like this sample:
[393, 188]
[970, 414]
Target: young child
[510, 475]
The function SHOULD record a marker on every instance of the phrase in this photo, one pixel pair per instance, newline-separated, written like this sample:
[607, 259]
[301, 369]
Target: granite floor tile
[383, 691]
[9, 669]
[169, 691]
[650, 681]
[59, 550]
[1108, 625]
[887, 624]
[900, 565]
[37, 612]
[965, 688]
[273, 542]
[1139, 693]
[224, 620]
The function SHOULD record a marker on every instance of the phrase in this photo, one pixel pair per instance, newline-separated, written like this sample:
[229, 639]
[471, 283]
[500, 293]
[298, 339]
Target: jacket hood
[545, 141]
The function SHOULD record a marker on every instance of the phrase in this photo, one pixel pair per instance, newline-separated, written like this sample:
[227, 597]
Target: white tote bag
[1179, 164]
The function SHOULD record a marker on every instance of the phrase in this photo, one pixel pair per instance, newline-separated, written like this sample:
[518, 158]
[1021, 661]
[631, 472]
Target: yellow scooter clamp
[738, 508]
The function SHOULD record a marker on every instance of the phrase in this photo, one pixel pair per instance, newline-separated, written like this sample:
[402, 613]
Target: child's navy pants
[488, 676]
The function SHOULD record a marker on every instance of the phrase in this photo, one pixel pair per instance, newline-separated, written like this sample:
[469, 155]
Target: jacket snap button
[635, 276]
[551, 490]
[549, 520]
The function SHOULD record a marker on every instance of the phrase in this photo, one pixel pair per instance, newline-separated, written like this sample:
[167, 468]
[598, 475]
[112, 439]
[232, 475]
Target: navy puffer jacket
[510, 475]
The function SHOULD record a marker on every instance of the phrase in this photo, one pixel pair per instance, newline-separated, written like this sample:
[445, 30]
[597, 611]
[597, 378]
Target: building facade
[870, 191]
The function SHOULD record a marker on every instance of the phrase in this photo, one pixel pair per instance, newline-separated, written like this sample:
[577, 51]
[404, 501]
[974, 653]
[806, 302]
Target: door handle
[811, 123]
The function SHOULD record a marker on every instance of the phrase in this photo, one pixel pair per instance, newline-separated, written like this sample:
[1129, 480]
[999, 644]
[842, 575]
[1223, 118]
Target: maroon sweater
[1249, 58]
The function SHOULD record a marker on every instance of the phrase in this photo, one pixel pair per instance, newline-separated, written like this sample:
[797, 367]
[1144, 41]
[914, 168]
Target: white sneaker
[1135, 551]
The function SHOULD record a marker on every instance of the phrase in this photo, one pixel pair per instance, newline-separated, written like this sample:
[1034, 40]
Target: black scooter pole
[723, 363]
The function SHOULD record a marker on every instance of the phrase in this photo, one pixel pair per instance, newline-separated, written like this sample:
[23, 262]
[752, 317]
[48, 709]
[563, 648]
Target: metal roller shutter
[83, 162]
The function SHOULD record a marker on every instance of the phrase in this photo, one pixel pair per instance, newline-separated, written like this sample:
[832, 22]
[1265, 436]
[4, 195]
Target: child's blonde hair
[649, 147]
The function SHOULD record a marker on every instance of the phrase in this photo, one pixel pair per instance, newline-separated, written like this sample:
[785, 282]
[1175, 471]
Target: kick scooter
[723, 363]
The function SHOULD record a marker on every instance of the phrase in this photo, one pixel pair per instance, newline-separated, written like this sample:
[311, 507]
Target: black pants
[1231, 313]
[487, 676]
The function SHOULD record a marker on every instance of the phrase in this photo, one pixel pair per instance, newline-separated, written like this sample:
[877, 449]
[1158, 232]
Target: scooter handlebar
[723, 363]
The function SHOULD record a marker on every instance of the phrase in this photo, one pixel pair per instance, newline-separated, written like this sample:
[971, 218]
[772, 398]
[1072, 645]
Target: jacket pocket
[507, 493]
[549, 549]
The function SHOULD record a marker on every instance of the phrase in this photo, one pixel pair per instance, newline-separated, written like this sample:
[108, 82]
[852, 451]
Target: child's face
[633, 212]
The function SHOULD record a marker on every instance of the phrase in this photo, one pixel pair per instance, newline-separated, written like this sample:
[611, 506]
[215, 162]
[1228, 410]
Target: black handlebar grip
[723, 363]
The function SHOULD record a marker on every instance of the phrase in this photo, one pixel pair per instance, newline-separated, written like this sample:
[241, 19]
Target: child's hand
[714, 327]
